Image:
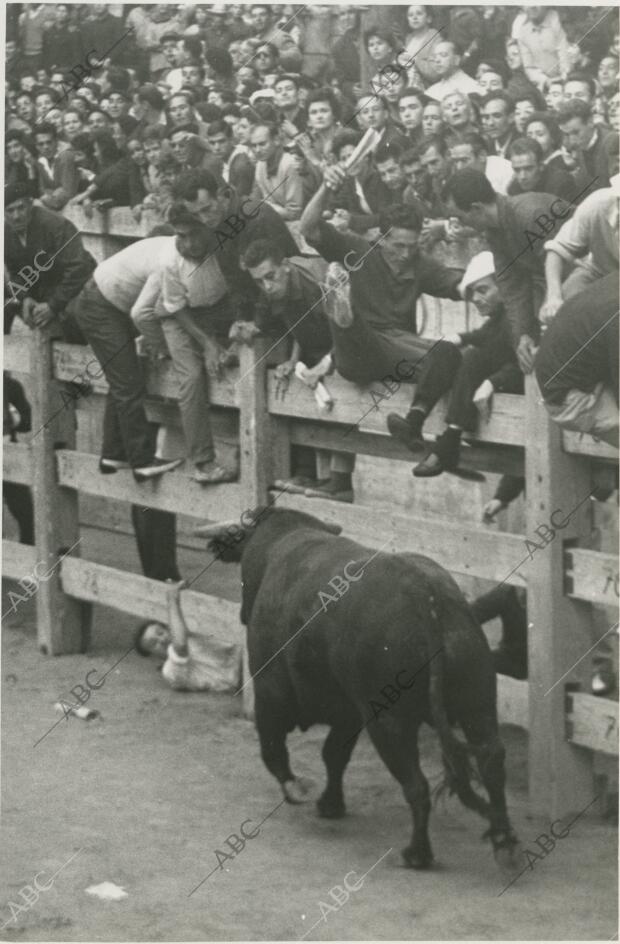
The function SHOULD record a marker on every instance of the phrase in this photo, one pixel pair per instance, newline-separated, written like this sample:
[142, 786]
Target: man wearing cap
[47, 262]
[488, 365]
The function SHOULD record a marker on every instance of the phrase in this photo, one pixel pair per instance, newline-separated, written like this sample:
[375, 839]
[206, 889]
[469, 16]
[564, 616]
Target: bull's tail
[456, 753]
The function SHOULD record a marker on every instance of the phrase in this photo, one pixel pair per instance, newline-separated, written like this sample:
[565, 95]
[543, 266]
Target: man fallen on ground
[193, 662]
[577, 362]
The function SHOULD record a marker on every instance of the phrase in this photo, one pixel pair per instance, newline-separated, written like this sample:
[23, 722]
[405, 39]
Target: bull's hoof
[331, 809]
[417, 858]
[296, 790]
[509, 857]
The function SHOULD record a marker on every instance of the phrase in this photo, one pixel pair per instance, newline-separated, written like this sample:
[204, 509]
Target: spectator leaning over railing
[586, 246]
[577, 362]
[49, 248]
[531, 173]
[587, 143]
[103, 313]
[519, 257]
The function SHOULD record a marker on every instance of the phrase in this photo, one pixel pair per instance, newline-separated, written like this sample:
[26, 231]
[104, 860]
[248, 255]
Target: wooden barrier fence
[563, 576]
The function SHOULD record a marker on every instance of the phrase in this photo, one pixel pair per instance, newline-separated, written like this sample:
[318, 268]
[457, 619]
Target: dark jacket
[495, 339]
[53, 235]
[553, 180]
[517, 246]
[593, 167]
[113, 183]
[62, 50]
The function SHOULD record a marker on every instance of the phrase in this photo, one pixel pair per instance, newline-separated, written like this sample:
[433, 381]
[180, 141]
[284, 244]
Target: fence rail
[563, 580]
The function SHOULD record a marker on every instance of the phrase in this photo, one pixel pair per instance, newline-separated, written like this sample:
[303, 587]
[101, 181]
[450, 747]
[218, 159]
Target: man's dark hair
[475, 140]
[220, 61]
[179, 214]
[324, 95]
[273, 50]
[411, 92]
[150, 94]
[550, 123]
[437, 141]
[45, 128]
[191, 181]
[469, 186]
[233, 110]
[219, 127]
[575, 108]
[500, 96]
[169, 38]
[527, 95]
[410, 156]
[154, 133]
[344, 137]
[259, 250]
[387, 36]
[46, 90]
[526, 146]
[400, 217]
[271, 127]
[582, 77]
[119, 79]
[386, 152]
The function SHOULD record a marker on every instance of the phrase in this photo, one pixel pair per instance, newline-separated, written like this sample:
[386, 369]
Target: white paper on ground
[107, 891]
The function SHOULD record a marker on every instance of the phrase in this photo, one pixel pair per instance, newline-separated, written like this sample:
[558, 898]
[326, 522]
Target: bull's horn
[215, 530]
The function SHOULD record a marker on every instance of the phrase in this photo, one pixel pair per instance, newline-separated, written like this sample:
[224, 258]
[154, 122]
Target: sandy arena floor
[143, 796]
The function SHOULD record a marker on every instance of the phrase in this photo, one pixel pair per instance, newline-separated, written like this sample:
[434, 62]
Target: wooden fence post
[63, 622]
[259, 447]
[560, 629]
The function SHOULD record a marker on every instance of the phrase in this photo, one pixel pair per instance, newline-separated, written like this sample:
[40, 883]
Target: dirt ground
[145, 795]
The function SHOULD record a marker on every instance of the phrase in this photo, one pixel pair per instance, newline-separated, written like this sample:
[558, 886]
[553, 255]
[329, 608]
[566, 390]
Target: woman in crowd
[542, 127]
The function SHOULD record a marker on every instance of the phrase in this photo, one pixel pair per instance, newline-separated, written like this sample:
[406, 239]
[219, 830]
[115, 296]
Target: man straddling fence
[103, 313]
[577, 362]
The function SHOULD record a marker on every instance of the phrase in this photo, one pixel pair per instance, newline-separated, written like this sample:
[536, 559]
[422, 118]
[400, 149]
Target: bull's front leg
[272, 730]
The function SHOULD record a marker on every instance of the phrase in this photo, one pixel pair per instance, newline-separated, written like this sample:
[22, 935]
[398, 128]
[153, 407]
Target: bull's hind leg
[482, 734]
[399, 751]
[337, 751]
[273, 725]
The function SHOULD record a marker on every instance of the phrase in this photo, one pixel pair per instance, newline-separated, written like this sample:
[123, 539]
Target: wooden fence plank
[592, 576]
[16, 355]
[580, 444]
[77, 470]
[351, 402]
[18, 559]
[146, 599]
[512, 701]
[489, 554]
[592, 722]
[17, 463]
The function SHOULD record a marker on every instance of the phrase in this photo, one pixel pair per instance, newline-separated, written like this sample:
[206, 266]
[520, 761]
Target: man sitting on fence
[577, 362]
[488, 365]
[372, 305]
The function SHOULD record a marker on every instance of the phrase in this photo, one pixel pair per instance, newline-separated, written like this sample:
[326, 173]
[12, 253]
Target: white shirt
[459, 81]
[121, 278]
[498, 172]
[189, 283]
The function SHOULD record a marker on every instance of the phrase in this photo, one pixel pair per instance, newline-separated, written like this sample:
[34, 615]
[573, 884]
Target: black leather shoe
[429, 467]
[407, 433]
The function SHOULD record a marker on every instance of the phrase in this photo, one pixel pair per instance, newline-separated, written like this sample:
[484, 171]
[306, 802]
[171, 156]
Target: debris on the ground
[86, 714]
[107, 891]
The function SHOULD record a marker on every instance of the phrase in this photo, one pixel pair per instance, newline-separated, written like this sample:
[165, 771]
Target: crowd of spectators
[461, 152]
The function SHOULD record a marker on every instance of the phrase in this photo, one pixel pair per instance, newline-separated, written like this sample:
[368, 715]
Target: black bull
[320, 657]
